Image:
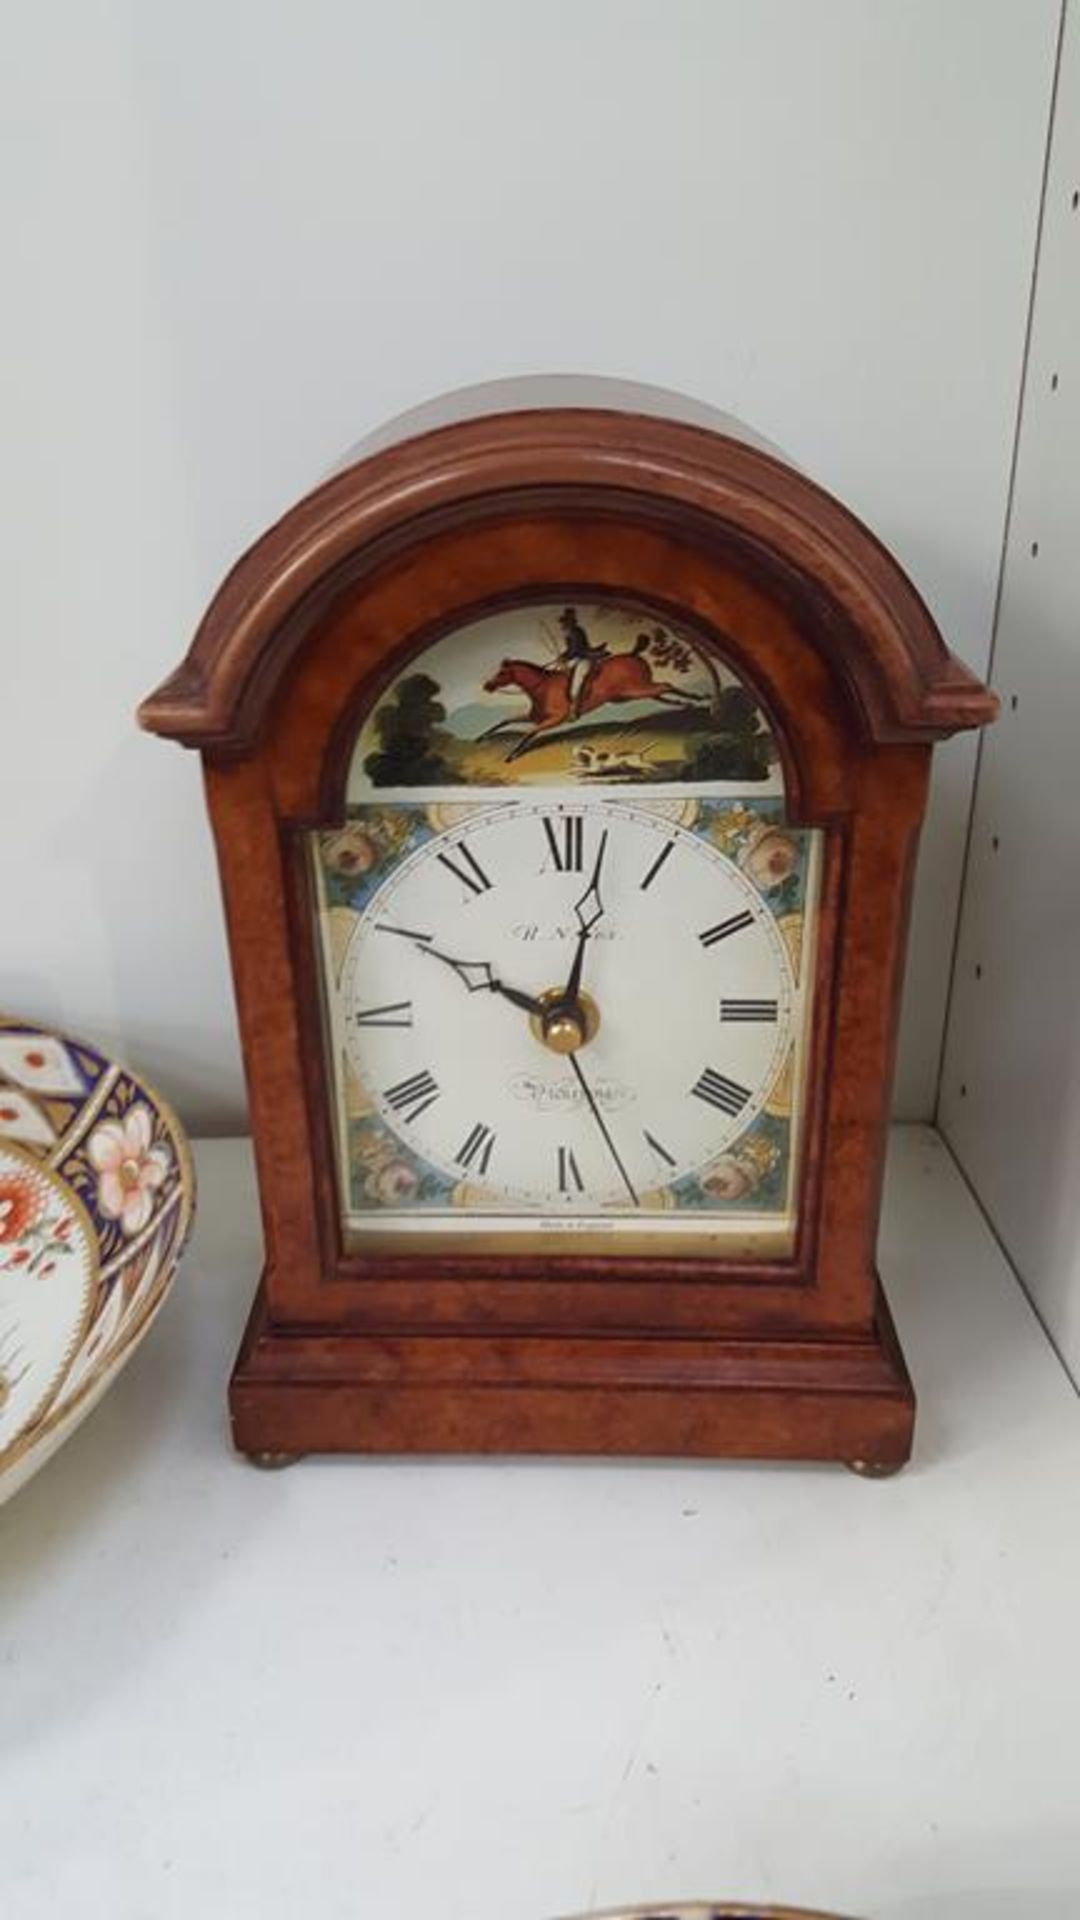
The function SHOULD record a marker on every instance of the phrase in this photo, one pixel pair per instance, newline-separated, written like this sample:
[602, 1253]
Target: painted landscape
[566, 695]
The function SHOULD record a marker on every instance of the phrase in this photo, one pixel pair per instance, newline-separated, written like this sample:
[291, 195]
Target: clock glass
[565, 934]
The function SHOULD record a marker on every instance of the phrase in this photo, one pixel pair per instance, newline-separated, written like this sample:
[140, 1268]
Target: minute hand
[589, 910]
[602, 1124]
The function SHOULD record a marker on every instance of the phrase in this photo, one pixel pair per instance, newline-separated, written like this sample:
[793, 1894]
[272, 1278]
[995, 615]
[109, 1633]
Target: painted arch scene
[564, 694]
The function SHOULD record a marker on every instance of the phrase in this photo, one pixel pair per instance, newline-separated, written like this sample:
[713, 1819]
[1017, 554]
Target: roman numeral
[397, 1014]
[718, 1091]
[413, 1096]
[404, 933]
[660, 1152]
[565, 837]
[656, 866]
[477, 1146]
[569, 1176]
[725, 928]
[748, 1010]
[472, 874]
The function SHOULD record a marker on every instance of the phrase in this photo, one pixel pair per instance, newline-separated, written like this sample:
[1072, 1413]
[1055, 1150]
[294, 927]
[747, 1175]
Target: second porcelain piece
[96, 1200]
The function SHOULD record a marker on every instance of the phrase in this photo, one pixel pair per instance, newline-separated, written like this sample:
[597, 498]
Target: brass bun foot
[875, 1469]
[271, 1462]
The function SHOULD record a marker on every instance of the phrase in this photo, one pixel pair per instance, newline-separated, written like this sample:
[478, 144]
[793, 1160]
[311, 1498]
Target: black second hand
[599, 1118]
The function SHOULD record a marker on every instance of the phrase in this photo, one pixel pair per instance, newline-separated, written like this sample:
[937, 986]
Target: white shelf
[500, 1691]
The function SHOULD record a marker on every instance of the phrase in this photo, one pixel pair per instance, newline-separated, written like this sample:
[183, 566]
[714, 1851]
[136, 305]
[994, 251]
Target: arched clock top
[721, 496]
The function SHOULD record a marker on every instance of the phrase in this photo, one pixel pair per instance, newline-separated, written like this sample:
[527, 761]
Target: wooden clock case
[550, 1351]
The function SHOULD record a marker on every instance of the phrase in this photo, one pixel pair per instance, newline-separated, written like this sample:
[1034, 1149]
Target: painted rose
[770, 857]
[128, 1167]
[729, 1178]
[349, 852]
[20, 1206]
[393, 1184]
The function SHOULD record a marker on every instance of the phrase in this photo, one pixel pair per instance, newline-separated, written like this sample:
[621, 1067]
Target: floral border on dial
[753, 1175]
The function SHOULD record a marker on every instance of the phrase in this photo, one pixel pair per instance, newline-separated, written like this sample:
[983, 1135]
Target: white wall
[247, 230]
[1010, 1095]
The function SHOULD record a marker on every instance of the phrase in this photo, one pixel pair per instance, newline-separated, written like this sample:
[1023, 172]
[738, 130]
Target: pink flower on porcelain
[129, 1169]
[394, 1183]
[769, 858]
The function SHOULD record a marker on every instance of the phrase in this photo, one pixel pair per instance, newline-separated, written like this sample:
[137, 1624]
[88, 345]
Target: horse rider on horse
[578, 658]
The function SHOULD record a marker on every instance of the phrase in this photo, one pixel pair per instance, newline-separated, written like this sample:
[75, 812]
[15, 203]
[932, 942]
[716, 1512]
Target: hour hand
[479, 978]
[476, 975]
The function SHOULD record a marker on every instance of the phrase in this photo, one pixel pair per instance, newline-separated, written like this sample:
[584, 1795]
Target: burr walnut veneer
[536, 1346]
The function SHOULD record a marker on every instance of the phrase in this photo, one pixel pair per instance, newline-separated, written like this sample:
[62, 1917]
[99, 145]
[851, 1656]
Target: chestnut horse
[621, 676]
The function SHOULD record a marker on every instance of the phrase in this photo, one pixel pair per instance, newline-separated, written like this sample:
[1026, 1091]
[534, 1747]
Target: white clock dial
[685, 1005]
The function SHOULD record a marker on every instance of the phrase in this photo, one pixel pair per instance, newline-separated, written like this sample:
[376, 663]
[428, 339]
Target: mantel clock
[566, 768]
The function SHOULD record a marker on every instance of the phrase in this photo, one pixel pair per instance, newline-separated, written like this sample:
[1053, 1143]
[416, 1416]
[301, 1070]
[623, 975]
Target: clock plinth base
[803, 1397]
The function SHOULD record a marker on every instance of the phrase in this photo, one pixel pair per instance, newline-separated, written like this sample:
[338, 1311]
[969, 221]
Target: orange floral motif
[736, 1174]
[770, 857]
[393, 1184]
[349, 851]
[729, 1178]
[129, 1169]
[20, 1205]
[356, 849]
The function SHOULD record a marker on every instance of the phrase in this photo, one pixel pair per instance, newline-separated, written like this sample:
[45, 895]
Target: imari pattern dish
[96, 1200]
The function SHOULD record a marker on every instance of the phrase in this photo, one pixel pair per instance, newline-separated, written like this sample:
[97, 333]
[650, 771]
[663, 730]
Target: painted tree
[676, 655]
[408, 729]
